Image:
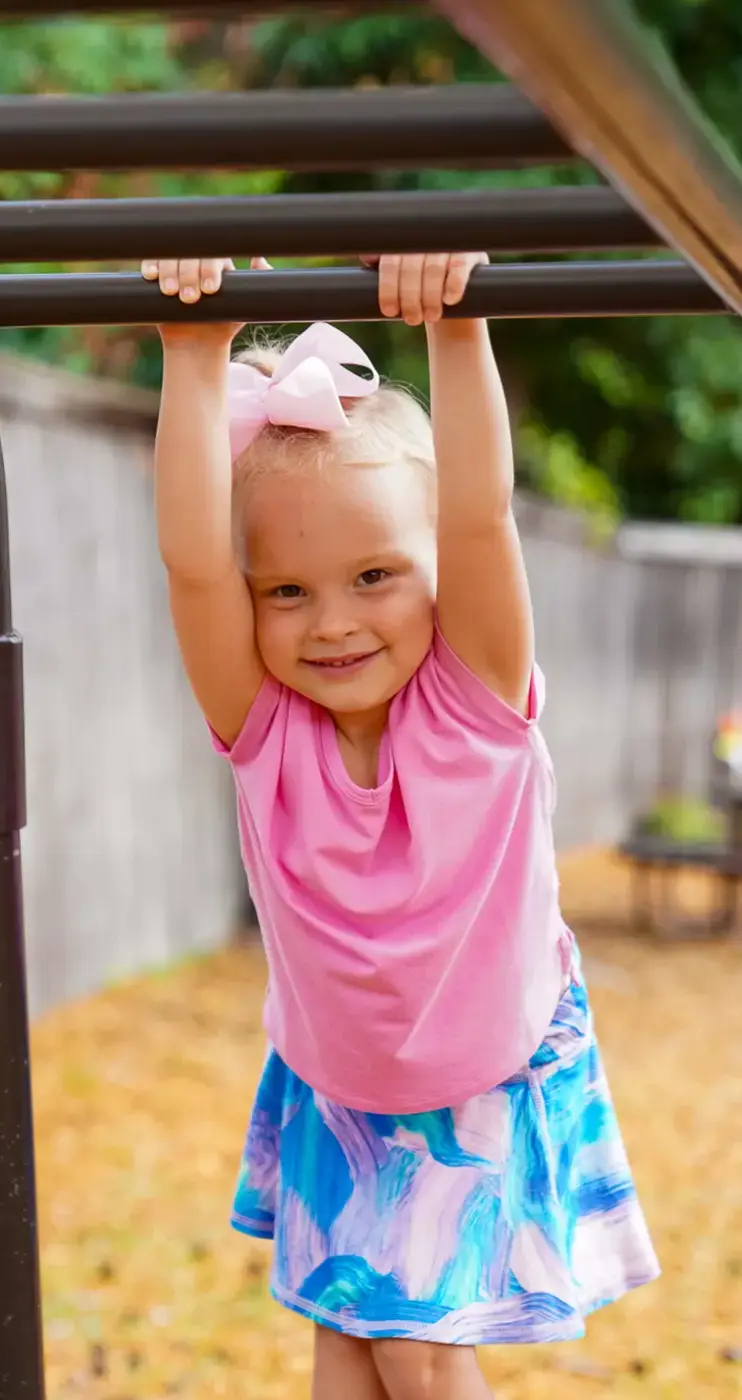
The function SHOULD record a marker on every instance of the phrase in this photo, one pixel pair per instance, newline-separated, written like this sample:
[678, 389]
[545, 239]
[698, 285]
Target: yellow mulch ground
[142, 1096]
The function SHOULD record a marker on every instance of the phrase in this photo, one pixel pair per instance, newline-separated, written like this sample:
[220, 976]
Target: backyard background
[146, 978]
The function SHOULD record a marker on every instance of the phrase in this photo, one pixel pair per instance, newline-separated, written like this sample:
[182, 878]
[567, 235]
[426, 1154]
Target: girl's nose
[332, 624]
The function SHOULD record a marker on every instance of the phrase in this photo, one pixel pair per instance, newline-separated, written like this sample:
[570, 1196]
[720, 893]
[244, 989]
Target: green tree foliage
[642, 417]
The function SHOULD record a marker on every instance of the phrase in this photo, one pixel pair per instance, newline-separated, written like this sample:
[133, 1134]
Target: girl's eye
[288, 590]
[371, 576]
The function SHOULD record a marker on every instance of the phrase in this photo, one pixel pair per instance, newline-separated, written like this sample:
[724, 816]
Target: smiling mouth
[341, 665]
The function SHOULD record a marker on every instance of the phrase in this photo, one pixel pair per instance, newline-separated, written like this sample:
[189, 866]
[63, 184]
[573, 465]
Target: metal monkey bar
[513, 290]
[468, 126]
[501, 221]
[235, 9]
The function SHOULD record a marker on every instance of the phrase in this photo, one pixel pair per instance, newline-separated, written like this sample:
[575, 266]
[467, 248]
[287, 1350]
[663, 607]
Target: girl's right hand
[189, 279]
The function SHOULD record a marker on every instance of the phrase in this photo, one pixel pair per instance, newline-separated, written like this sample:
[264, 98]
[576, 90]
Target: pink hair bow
[304, 391]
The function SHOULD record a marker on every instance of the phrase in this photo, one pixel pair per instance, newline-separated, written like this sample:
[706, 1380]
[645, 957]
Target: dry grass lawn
[142, 1096]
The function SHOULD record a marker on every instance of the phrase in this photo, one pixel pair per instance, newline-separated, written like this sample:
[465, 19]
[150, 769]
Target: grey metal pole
[462, 126]
[247, 9]
[551, 220]
[640, 288]
[21, 1353]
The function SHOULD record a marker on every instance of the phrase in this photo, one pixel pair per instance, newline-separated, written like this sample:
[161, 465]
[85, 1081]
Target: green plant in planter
[685, 820]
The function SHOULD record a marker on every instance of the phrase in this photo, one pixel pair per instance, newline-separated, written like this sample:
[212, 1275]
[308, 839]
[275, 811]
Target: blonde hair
[388, 426]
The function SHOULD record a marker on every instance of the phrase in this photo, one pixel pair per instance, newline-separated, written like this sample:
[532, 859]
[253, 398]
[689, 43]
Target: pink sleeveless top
[415, 946]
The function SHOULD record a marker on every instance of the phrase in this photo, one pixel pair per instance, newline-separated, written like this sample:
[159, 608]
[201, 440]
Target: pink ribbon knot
[304, 391]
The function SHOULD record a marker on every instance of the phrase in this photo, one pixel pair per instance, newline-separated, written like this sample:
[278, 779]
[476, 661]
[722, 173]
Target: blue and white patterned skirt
[506, 1219]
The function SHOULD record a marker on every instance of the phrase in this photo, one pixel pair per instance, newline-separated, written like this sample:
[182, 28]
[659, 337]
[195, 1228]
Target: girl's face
[341, 567]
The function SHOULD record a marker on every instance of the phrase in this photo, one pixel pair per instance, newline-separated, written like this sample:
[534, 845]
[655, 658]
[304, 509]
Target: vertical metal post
[21, 1349]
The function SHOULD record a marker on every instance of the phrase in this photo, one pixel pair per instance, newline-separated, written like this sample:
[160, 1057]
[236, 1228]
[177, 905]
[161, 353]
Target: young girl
[433, 1147]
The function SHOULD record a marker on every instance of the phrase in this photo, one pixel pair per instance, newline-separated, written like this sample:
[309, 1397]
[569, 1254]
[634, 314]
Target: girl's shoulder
[271, 700]
[445, 689]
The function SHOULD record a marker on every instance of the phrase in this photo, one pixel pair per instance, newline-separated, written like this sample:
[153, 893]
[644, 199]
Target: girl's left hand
[417, 286]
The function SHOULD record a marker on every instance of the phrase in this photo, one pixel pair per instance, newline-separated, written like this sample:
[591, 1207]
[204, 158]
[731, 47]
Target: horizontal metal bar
[247, 9]
[546, 220]
[608, 85]
[638, 288]
[462, 126]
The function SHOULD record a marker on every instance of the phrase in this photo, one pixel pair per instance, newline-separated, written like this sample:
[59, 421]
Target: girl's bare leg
[344, 1368]
[427, 1371]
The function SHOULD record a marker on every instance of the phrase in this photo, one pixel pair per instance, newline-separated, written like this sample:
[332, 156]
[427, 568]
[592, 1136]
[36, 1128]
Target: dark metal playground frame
[601, 90]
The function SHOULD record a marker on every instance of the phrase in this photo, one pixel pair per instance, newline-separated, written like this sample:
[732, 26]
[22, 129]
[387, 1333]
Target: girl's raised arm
[209, 597]
[484, 605]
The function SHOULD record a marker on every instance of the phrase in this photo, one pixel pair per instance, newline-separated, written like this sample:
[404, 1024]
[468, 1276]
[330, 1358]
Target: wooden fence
[641, 641]
[130, 853]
